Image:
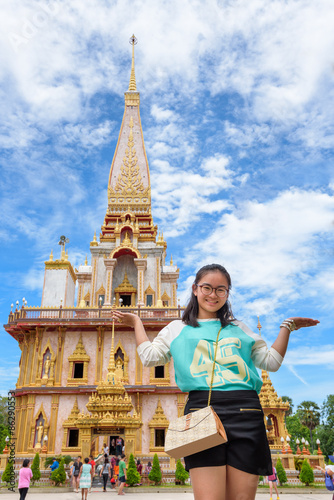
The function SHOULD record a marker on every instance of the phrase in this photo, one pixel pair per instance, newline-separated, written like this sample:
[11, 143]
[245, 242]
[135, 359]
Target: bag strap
[214, 364]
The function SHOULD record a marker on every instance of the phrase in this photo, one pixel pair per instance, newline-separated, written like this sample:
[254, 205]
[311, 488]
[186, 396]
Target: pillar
[59, 357]
[141, 265]
[53, 423]
[110, 265]
[158, 287]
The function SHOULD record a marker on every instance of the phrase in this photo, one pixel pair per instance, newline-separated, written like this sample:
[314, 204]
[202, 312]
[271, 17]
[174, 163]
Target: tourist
[25, 476]
[272, 480]
[148, 468]
[119, 446]
[122, 475]
[54, 465]
[116, 469]
[139, 467]
[85, 478]
[92, 463]
[113, 447]
[230, 470]
[75, 473]
[106, 449]
[105, 472]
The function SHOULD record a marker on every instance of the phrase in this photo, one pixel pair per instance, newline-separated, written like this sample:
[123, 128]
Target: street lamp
[45, 447]
[298, 449]
[288, 442]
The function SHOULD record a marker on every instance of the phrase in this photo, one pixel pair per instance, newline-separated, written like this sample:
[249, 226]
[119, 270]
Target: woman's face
[208, 305]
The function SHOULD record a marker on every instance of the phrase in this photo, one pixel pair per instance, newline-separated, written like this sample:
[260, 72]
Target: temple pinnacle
[132, 84]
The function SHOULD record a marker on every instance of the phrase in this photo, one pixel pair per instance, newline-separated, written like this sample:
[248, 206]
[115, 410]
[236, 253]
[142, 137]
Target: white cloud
[270, 247]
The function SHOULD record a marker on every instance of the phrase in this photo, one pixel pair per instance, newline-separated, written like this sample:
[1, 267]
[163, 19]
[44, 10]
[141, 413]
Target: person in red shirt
[92, 463]
[25, 475]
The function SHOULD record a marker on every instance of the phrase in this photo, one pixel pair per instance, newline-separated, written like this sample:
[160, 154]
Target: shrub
[306, 474]
[59, 475]
[36, 473]
[9, 473]
[180, 473]
[281, 472]
[155, 474]
[132, 475]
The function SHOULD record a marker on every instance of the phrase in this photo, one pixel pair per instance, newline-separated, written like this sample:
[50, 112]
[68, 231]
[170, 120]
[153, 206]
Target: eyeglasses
[208, 289]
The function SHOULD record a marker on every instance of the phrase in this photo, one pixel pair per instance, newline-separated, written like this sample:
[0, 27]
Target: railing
[91, 313]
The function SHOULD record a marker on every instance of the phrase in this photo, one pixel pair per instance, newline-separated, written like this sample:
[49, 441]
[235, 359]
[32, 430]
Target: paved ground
[162, 495]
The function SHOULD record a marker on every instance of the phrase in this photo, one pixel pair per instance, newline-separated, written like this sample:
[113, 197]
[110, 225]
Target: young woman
[105, 472]
[25, 476]
[231, 469]
[272, 480]
[85, 478]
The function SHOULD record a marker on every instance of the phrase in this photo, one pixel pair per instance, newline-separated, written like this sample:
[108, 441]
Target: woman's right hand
[127, 319]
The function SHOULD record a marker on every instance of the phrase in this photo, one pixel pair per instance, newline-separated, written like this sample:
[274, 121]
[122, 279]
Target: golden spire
[132, 84]
[259, 326]
[51, 256]
[86, 262]
[94, 243]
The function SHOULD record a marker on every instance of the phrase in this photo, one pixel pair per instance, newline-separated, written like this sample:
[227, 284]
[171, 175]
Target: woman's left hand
[304, 322]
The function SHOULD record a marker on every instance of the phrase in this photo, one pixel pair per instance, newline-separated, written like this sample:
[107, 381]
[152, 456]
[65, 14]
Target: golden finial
[259, 326]
[117, 226]
[86, 261]
[171, 260]
[94, 243]
[66, 255]
[51, 256]
[132, 84]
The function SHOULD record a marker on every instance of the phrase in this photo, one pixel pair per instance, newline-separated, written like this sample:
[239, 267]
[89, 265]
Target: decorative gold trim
[61, 264]
[160, 381]
[158, 421]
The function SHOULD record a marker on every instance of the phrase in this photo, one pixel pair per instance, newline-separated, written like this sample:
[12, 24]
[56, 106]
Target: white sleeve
[262, 357]
[157, 352]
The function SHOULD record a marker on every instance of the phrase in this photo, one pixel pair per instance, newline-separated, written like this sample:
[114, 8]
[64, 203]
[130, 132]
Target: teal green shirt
[122, 468]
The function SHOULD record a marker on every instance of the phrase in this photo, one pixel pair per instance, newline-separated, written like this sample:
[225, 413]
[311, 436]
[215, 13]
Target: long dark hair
[224, 314]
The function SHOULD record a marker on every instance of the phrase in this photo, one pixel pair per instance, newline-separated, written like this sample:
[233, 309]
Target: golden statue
[40, 430]
[47, 365]
[119, 371]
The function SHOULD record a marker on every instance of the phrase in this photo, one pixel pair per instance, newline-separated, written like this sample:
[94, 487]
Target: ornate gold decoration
[79, 356]
[132, 83]
[129, 183]
[125, 288]
[70, 423]
[127, 241]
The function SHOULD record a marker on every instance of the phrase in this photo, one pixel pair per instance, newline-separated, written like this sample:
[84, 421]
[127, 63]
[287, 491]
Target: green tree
[281, 472]
[296, 430]
[309, 415]
[9, 473]
[4, 424]
[59, 475]
[36, 473]
[325, 434]
[132, 475]
[290, 410]
[181, 474]
[327, 411]
[155, 474]
[48, 460]
[306, 474]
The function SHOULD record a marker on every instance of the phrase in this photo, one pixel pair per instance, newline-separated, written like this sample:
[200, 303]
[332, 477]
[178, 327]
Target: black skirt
[247, 448]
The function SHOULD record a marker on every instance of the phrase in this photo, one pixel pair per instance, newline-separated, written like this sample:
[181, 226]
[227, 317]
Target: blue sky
[237, 114]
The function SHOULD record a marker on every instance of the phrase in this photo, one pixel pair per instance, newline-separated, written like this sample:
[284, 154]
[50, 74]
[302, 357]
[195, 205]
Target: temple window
[159, 375]
[149, 300]
[78, 370]
[101, 300]
[78, 365]
[73, 438]
[159, 372]
[159, 437]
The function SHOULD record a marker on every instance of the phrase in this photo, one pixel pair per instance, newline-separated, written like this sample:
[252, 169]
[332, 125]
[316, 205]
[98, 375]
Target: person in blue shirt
[54, 464]
[231, 470]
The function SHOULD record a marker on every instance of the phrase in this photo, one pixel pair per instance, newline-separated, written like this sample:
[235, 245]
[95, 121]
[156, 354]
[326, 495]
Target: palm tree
[309, 415]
